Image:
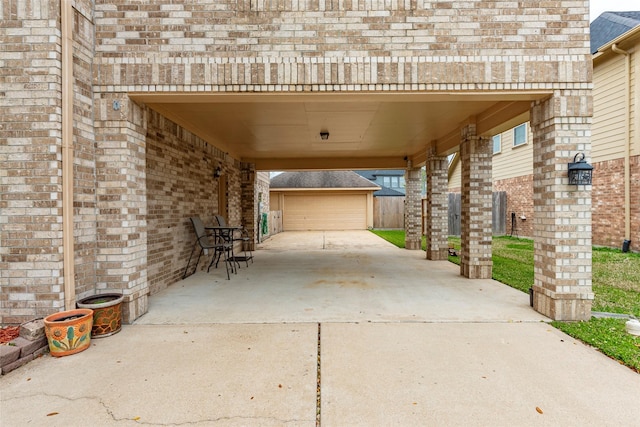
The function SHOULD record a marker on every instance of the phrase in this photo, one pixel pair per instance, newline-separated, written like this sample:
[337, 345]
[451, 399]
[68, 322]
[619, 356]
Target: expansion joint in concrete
[318, 387]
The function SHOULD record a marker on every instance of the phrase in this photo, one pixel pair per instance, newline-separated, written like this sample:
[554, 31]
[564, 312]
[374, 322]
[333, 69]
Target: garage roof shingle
[611, 25]
[321, 179]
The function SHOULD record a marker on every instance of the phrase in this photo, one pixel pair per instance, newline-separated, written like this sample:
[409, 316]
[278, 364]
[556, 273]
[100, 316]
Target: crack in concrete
[140, 421]
[69, 399]
[318, 382]
[213, 420]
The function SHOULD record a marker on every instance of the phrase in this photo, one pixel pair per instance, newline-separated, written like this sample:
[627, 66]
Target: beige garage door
[324, 212]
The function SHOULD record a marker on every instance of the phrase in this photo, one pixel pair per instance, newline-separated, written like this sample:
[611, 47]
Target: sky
[597, 7]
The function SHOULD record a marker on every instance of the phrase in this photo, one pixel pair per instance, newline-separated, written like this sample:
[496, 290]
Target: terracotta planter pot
[107, 313]
[68, 332]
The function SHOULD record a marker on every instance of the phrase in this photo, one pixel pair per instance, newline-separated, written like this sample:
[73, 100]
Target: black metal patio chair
[209, 242]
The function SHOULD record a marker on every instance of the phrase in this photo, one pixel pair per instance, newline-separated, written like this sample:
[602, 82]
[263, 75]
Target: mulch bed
[9, 333]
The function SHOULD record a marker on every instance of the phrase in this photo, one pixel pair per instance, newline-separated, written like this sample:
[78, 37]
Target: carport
[282, 131]
[359, 130]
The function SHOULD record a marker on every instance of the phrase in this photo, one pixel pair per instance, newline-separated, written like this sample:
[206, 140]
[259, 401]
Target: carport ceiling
[371, 130]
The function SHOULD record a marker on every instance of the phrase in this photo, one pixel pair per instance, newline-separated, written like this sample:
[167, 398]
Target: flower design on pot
[68, 332]
[71, 341]
[107, 313]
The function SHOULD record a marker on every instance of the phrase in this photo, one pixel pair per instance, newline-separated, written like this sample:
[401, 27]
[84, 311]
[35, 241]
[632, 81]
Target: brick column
[562, 221]
[249, 202]
[122, 201]
[476, 218]
[437, 207]
[412, 209]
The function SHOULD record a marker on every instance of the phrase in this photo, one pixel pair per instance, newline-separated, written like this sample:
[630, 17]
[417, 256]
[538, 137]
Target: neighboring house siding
[608, 130]
[455, 180]
[512, 161]
[610, 137]
[512, 173]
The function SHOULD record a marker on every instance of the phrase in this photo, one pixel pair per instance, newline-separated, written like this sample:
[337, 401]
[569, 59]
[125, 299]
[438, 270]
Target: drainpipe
[66, 13]
[627, 150]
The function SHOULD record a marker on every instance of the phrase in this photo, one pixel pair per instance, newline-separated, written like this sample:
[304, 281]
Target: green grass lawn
[616, 285]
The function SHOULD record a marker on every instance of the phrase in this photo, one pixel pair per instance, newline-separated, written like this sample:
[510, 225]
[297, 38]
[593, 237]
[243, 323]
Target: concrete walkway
[324, 337]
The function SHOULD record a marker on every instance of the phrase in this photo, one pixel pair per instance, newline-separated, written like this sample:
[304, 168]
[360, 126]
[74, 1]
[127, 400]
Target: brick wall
[635, 203]
[246, 45]
[519, 200]
[608, 203]
[30, 156]
[180, 184]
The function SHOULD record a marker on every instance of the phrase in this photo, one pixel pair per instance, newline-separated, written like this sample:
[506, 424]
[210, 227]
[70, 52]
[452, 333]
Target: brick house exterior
[105, 150]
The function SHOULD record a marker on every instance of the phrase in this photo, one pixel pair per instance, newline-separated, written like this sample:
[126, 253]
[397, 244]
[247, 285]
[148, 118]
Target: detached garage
[328, 200]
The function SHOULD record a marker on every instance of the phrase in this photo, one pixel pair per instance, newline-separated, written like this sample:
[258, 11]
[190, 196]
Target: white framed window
[393, 181]
[520, 135]
[497, 144]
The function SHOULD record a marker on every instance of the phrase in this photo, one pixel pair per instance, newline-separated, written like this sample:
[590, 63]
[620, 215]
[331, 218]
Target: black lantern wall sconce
[217, 172]
[580, 172]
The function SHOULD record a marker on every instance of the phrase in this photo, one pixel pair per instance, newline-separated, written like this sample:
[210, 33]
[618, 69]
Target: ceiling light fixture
[324, 135]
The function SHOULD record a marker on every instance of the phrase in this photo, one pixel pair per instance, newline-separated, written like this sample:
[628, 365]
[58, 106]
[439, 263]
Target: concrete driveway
[329, 329]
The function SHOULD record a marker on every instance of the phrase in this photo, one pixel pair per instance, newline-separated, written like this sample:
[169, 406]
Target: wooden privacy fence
[388, 212]
[499, 213]
[275, 222]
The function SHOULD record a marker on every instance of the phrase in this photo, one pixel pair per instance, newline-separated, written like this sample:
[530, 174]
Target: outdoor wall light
[580, 172]
[217, 172]
[324, 135]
